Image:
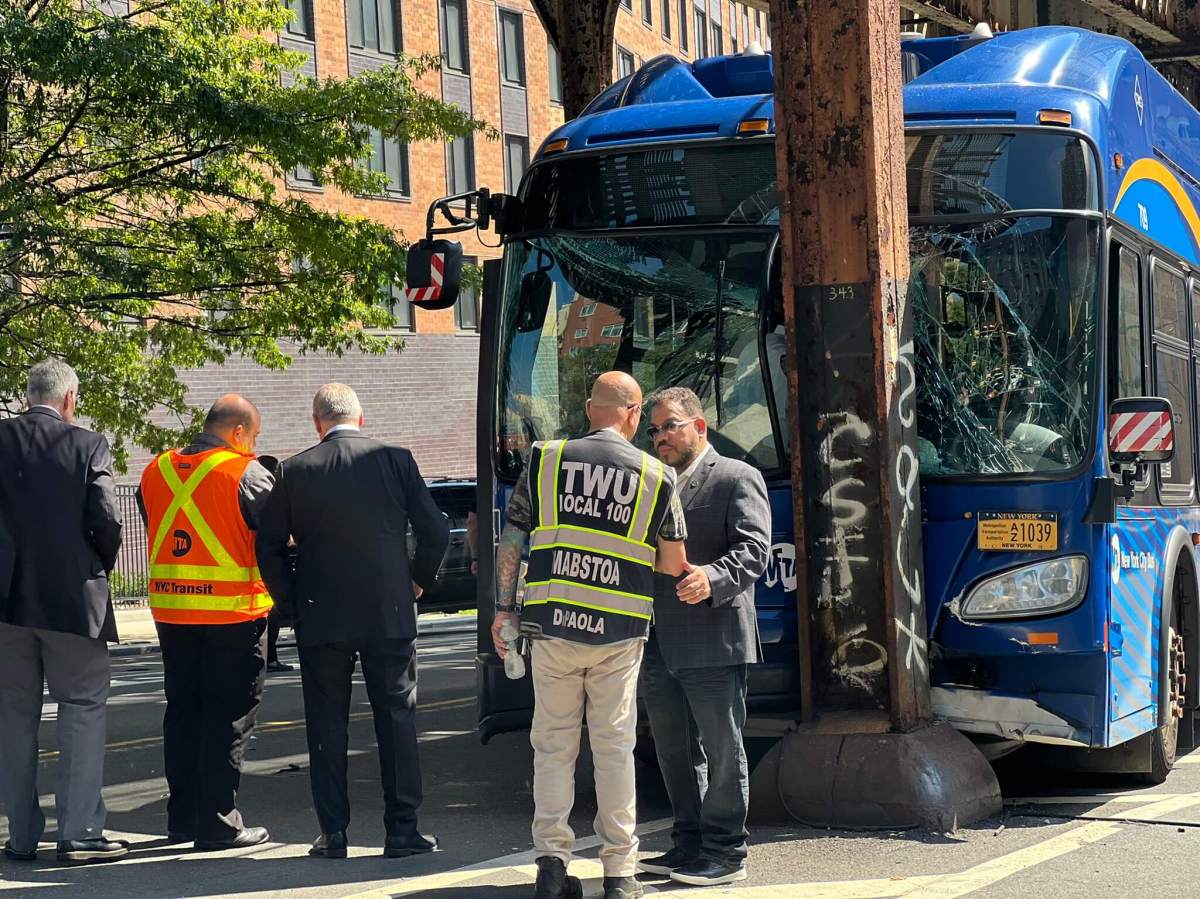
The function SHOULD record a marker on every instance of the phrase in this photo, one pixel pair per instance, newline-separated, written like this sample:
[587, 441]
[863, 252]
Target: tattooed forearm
[508, 563]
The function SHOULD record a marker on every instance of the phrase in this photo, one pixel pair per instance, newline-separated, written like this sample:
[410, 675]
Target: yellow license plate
[1018, 531]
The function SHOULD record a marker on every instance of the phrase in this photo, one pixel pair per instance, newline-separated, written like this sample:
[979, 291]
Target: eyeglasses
[668, 427]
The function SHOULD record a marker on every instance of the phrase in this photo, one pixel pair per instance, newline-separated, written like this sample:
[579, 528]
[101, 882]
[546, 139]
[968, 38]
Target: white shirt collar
[342, 427]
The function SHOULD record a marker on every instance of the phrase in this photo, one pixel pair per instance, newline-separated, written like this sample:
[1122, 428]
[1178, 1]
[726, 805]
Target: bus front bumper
[1064, 719]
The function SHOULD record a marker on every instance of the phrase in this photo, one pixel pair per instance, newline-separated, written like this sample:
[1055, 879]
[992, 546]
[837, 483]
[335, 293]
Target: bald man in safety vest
[210, 606]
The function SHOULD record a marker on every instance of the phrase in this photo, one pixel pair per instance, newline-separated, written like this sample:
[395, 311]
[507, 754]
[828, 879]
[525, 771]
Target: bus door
[1133, 535]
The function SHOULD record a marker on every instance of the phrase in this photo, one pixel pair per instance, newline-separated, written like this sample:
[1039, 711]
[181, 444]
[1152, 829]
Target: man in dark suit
[63, 531]
[705, 634]
[348, 503]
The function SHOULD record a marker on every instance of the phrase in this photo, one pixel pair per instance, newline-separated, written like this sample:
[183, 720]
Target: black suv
[455, 589]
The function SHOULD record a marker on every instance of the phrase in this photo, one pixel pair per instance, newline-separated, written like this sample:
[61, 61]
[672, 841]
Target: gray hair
[49, 382]
[336, 403]
[682, 397]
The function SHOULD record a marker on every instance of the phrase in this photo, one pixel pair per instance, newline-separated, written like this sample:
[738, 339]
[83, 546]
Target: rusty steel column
[582, 30]
[865, 756]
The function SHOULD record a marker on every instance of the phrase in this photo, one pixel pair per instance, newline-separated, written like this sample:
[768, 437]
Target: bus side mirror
[1141, 430]
[433, 273]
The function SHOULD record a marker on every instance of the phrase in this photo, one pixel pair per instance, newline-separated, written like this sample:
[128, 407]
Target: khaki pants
[570, 679]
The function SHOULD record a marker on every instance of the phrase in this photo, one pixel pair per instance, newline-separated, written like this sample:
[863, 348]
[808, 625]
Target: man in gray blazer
[59, 510]
[705, 634]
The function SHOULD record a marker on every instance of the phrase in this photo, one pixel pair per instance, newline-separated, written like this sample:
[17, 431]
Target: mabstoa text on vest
[583, 566]
[598, 491]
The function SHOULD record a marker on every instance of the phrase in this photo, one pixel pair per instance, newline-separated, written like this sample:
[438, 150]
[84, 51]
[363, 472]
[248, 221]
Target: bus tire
[1164, 742]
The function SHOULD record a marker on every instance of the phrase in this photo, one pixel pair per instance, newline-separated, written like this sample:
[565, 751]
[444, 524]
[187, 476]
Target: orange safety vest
[203, 569]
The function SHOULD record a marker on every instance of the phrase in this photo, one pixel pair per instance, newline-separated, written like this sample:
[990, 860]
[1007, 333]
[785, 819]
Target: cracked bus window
[669, 309]
[1005, 337]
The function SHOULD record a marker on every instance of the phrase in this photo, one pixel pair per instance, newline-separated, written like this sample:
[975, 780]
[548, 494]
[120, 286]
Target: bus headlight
[1039, 589]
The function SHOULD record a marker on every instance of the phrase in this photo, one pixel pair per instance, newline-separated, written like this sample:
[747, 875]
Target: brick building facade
[498, 63]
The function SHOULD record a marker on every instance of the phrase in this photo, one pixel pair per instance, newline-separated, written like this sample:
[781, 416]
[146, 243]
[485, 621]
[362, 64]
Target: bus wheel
[1165, 744]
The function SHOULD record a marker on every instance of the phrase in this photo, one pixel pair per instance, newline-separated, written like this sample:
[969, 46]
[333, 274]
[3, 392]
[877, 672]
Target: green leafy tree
[144, 228]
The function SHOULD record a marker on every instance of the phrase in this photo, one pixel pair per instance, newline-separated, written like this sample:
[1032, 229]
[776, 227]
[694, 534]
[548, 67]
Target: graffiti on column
[910, 629]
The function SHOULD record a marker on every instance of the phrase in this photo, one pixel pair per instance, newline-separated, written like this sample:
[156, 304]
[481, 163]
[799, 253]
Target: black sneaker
[553, 881]
[666, 863]
[622, 888]
[706, 872]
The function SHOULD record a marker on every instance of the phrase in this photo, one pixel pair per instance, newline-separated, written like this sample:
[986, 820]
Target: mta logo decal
[183, 544]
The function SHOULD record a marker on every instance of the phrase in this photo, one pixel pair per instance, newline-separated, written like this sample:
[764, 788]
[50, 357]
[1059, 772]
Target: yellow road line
[266, 727]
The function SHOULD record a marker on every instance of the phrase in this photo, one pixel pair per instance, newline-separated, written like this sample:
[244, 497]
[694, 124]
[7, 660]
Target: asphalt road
[1080, 836]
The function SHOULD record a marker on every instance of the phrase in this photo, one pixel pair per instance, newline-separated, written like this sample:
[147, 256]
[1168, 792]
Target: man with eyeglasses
[705, 634]
[600, 517]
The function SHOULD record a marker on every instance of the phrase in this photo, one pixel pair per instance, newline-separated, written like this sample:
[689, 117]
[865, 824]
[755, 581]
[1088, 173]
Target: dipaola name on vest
[598, 504]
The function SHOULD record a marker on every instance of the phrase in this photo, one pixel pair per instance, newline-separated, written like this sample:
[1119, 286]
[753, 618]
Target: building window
[301, 24]
[391, 158]
[627, 5]
[392, 299]
[460, 165]
[588, 309]
[612, 330]
[733, 32]
[303, 176]
[624, 63]
[718, 46]
[555, 84]
[466, 307]
[758, 26]
[701, 22]
[648, 11]
[666, 19]
[516, 160]
[683, 26]
[580, 333]
[746, 25]
[452, 28]
[512, 47]
[375, 25]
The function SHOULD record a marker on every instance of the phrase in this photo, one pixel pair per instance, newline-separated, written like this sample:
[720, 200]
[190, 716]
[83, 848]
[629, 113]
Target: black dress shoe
[279, 667]
[247, 836]
[97, 850]
[329, 845]
[18, 855]
[706, 872]
[175, 837]
[402, 847]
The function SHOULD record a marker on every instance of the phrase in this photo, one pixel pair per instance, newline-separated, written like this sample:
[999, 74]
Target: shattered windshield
[670, 309]
[1005, 336]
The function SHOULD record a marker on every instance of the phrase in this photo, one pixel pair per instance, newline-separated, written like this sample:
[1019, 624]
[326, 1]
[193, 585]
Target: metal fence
[131, 577]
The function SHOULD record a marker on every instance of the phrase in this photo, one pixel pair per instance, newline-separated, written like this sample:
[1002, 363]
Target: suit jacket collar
[342, 435]
[46, 411]
[695, 485]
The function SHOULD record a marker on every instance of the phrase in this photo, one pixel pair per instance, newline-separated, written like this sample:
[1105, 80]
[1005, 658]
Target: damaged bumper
[1058, 718]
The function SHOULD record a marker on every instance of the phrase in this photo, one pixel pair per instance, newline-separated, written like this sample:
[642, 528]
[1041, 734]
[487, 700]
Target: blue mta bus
[1053, 181]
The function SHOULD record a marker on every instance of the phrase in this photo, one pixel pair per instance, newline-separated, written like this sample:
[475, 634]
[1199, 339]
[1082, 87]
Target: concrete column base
[848, 771]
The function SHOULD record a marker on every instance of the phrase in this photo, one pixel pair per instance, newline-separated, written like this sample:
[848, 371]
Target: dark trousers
[273, 626]
[213, 674]
[697, 716]
[390, 671]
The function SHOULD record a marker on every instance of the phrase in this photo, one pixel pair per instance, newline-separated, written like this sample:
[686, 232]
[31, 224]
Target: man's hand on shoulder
[694, 587]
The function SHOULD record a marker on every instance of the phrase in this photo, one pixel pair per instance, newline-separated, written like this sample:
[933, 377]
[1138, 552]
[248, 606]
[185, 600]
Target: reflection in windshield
[1005, 340]
[671, 310]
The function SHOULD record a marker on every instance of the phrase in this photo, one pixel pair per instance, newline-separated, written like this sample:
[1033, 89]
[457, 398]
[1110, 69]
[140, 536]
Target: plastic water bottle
[514, 662]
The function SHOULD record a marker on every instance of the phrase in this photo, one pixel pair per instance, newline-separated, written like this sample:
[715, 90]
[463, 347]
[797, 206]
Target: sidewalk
[135, 627]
